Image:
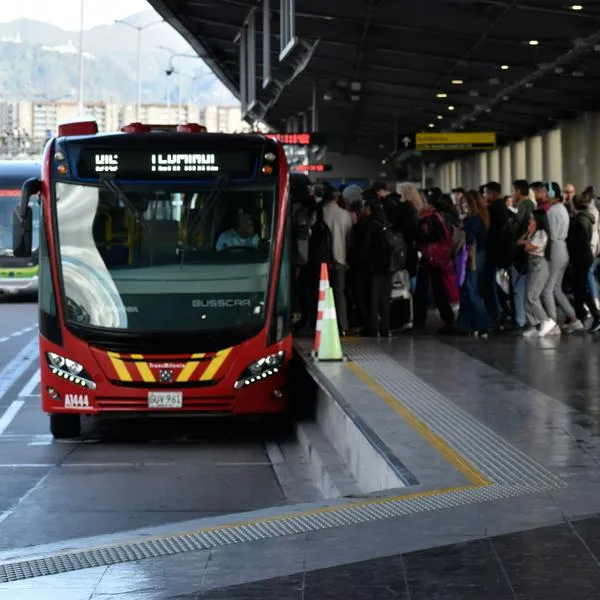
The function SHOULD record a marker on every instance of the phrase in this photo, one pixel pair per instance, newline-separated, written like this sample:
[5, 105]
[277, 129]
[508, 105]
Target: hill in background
[40, 61]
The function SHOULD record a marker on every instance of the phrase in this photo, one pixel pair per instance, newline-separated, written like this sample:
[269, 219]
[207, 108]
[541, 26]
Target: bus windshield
[148, 259]
[9, 200]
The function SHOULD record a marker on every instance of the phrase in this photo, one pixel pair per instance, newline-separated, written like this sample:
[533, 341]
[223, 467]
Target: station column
[506, 169]
[592, 129]
[482, 171]
[574, 151]
[534, 158]
[494, 166]
[553, 163]
[519, 161]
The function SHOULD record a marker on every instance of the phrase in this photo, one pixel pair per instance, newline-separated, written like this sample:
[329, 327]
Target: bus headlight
[261, 369]
[70, 370]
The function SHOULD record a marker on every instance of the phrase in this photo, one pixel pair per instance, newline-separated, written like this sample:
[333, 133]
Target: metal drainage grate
[250, 531]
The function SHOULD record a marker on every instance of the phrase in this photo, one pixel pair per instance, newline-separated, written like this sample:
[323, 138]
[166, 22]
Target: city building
[30, 122]
[224, 119]
[35, 119]
[160, 114]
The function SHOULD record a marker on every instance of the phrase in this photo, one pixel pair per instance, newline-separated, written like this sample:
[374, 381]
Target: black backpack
[320, 245]
[395, 248]
[510, 234]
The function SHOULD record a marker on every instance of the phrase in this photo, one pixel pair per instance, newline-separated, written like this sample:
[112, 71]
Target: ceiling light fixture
[451, 108]
[505, 67]
[442, 95]
[576, 7]
[533, 43]
[431, 125]
[457, 82]
[440, 117]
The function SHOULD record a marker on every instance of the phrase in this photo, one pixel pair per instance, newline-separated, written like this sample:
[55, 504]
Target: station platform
[493, 450]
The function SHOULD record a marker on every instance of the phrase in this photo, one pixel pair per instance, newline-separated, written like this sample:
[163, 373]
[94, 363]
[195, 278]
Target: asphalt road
[118, 476]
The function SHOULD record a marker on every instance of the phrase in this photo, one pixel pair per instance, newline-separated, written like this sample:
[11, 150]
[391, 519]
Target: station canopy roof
[388, 67]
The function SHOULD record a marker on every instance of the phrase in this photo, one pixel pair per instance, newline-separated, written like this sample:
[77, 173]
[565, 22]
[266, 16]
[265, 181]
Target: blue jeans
[489, 289]
[473, 315]
[592, 281]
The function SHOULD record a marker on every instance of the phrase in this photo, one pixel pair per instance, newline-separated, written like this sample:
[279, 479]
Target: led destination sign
[162, 163]
[143, 164]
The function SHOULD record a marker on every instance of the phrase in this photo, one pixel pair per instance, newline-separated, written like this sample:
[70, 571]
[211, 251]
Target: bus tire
[64, 427]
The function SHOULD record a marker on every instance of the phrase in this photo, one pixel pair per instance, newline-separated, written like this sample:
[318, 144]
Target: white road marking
[117, 464]
[79, 465]
[9, 512]
[18, 365]
[18, 333]
[26, 466]
[9, 414]
[30, 385]
[243, 464]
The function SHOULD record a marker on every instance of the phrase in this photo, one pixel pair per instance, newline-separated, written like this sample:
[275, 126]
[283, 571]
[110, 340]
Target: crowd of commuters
[525, 262]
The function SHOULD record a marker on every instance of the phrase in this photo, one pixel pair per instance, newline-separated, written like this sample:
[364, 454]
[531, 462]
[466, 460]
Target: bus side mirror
[23, 219]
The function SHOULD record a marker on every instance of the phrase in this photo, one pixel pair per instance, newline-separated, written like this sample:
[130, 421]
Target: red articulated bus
[165, 273]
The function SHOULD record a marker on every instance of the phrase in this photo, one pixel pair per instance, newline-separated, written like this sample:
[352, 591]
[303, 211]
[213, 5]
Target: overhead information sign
[171, 164]
[311, 168]
[298, 139]
[461, 140]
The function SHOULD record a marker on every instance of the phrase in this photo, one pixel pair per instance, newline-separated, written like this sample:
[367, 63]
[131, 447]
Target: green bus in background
[17, 275]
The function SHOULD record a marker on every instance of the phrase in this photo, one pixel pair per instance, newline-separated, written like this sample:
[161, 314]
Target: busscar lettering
[220, 303]
[77, 401]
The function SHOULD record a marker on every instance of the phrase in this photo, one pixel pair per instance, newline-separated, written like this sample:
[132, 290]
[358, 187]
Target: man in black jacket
[579, 243]
[374, 257]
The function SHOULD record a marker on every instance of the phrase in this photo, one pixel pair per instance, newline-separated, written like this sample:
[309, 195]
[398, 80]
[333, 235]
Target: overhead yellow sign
[471, 140]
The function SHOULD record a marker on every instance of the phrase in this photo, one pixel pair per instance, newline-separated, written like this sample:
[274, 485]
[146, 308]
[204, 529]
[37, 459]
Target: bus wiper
[213, 194]
[198, 220]
[119, 194]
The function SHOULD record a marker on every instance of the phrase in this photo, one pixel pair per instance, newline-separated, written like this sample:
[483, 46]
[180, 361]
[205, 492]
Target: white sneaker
[575, 326]
[547, 327]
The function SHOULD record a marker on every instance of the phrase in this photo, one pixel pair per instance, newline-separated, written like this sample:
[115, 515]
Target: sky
[65, 13]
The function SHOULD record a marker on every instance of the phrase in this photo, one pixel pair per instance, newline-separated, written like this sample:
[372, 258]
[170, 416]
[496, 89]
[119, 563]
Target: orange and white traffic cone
[323, 286]
[328, 346]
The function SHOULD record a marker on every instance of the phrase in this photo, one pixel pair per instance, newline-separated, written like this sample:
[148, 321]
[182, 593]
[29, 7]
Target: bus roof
[168, 138]
[14, 172]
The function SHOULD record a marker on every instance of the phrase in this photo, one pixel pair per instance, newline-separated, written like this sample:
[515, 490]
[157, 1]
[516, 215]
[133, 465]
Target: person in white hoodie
[558, 221]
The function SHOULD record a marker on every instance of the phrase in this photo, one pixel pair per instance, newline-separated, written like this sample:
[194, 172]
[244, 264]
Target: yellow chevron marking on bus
[215, 365]
[119, 366]
[189, 368]
[143, 368]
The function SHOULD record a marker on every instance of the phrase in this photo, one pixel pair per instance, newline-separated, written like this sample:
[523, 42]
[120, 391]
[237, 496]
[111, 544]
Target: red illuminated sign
[298, 139]
[311, 168]
[10, 193]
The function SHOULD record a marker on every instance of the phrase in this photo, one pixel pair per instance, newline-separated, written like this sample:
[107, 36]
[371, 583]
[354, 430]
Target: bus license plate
[165, 399]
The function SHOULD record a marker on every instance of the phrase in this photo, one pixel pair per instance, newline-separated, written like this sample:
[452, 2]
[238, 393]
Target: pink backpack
[439, 255]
